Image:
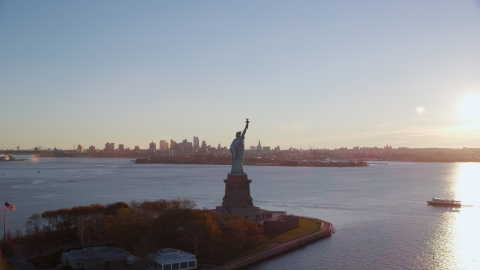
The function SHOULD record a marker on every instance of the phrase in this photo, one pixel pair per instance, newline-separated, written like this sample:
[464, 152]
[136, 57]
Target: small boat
[444, 202]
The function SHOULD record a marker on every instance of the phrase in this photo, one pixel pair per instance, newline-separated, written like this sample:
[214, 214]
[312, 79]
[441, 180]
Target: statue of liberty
[237, 148]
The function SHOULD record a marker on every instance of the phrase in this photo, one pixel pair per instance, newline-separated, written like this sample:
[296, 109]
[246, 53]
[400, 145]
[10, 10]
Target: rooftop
[171, 255]
[95, 252]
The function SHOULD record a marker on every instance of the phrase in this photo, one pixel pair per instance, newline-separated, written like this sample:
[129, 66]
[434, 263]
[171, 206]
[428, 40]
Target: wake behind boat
[444, 202]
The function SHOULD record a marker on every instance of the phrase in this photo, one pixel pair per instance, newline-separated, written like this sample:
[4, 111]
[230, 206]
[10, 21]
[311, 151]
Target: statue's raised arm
[246, 127]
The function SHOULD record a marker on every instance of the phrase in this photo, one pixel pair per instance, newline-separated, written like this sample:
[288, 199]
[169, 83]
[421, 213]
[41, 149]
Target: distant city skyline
[322, 74]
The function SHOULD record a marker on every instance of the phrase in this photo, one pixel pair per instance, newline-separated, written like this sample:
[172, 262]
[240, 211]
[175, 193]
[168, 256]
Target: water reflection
[456, 244]
[467, 235]
[468, 184]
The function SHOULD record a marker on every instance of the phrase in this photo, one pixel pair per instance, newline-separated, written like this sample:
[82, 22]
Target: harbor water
[379, 212]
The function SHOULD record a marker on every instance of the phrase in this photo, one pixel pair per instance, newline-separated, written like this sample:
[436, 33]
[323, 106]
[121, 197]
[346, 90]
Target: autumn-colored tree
[200, 229]
[143, 227]
[97, 226]
[111, 209]
[238, 234]
[253, 233]
[111, 226]
[52, 219]
[65, 220]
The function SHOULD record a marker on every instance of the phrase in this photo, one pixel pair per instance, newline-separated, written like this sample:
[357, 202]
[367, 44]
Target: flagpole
[4, 218]
[4, 221]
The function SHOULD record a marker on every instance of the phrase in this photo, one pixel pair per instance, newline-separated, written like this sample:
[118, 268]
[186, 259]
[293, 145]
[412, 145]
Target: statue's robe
[237, 148]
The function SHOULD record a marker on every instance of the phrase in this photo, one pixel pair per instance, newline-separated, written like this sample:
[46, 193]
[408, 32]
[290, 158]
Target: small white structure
[172, 259]
[95, 257]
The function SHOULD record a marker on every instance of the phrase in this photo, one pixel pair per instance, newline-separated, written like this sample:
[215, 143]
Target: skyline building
[186, 145]
[109, 146]
[163, 145]
[91, 149]
[152, 146]
[183, 146]
[196, 142]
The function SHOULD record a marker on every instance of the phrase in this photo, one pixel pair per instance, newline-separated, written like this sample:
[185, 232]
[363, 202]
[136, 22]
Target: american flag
[9, 206]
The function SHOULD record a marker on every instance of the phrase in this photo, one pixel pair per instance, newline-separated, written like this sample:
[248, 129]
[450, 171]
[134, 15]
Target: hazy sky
[324, 74]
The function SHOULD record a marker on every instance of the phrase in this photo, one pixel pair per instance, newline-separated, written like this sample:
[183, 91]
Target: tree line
[144, 227]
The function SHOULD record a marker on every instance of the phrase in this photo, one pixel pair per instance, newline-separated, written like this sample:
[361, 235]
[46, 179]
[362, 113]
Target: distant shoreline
[17, 159]
[269, 163]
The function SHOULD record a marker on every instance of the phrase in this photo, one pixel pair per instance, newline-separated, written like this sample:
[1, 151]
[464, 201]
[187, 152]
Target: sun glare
[465, 236]
[469, 108]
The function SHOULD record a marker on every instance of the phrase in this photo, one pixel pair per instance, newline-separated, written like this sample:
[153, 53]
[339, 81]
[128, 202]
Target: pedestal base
[237, 192]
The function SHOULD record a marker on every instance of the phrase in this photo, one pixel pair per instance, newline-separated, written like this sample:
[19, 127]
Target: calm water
[380, 213]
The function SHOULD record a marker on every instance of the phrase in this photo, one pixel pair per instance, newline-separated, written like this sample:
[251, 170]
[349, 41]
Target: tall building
[91, 149]
[163, 145]
[80, 148]
[109, 147]
[121, 147]
[196, 142]
[152, 146]
[187, 146]
[172, 144]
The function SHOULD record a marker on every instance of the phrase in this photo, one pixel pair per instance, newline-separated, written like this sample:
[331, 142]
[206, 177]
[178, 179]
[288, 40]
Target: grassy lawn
[306, 226]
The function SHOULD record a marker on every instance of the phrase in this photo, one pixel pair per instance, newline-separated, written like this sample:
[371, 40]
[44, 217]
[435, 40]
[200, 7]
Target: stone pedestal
[237, 200]
[237, 192]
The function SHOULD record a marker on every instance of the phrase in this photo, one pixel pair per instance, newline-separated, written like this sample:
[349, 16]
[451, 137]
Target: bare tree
[97, 226]
[9, 234]
[18, 234]
[33, 224]
[83, 234]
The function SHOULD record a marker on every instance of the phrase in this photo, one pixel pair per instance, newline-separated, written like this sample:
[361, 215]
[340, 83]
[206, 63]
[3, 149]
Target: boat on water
[444, 202]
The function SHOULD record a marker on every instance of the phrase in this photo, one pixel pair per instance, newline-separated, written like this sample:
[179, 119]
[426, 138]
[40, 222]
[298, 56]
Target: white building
[172, 259]
[95, 257]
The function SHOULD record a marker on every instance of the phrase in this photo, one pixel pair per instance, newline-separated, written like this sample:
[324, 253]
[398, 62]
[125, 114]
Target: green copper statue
[237, 148]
